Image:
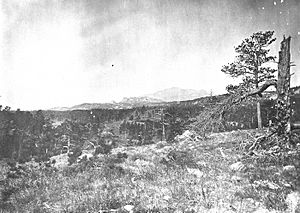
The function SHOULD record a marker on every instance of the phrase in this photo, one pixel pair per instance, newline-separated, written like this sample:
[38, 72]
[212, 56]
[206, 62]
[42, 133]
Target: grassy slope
[188, 176]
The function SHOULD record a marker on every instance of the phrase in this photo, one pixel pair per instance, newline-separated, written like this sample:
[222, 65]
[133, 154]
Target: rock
[292, 152]
[87, 145]
[286, 184]
[237, 167]
[143, 163]
[219, 209]
[4, 169]
[156, 159]
[272, 185]
[275, 148]
[161, 144]
[86, 154]
[293, 202]
[167, 197]
[263, 210]
[184, 135]
[195, 172]
[187, 135]
[121, 155]
[266, 184]
[201, 163]
[236, 179]
[60, 161]
[106, 134]
[289, 168]
[129, 208]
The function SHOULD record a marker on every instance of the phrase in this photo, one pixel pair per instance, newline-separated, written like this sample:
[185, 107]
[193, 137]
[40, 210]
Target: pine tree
[250, 65]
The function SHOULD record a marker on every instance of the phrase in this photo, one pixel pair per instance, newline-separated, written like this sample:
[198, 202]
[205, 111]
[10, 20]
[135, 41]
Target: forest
[42, 134]
[236, 152]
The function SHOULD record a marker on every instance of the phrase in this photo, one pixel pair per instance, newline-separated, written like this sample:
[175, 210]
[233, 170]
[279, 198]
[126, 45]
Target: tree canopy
[252, 54]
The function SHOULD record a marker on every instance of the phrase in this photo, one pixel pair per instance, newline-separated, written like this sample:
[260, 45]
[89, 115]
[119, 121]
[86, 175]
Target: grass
[155, 178]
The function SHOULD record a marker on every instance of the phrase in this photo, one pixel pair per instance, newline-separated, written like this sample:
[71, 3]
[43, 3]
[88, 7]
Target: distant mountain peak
[178, 94]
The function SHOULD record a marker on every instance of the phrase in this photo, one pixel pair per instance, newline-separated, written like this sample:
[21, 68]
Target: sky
[66, 52]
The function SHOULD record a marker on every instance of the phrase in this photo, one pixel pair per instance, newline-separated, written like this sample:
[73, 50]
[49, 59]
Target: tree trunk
[283, 90]
[163, 133]
[163, 137]
[20, 147]
[259, 122]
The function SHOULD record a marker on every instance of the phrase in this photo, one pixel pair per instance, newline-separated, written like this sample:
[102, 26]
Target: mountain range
[154, 99]
[177, 94]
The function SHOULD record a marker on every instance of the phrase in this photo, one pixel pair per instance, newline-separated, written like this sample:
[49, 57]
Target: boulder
[237, 167]
[128, 208]
[264, 210]
[60, 161]
[186, 135]
[289, 168]
[236, 179]
[196, 172]
[293, 202]
[86, 154]
[161, 144]
[267, 184]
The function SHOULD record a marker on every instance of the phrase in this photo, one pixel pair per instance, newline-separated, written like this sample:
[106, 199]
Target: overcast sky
[66, 52]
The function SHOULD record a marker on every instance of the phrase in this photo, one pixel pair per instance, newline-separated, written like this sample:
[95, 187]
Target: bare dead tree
[283, 89]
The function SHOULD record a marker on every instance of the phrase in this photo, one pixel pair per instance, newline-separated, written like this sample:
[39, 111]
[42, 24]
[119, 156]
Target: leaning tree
[250, 65]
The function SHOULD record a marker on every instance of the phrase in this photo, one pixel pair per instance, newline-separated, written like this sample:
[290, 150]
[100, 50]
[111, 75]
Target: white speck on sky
[275, 3]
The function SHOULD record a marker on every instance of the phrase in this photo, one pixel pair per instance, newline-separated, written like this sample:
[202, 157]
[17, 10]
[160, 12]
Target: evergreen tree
[253, 53]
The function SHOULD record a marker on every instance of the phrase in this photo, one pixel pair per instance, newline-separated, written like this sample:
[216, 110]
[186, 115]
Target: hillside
[127, 160]
[194, 174]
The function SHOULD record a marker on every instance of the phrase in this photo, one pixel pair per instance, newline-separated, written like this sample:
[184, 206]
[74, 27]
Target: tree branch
[257, 91]
[261, 89]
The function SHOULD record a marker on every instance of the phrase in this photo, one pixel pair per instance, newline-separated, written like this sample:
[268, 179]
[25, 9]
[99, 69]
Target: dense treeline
[26, 135]
[14, 127]
[244, 115]
[42, 134]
